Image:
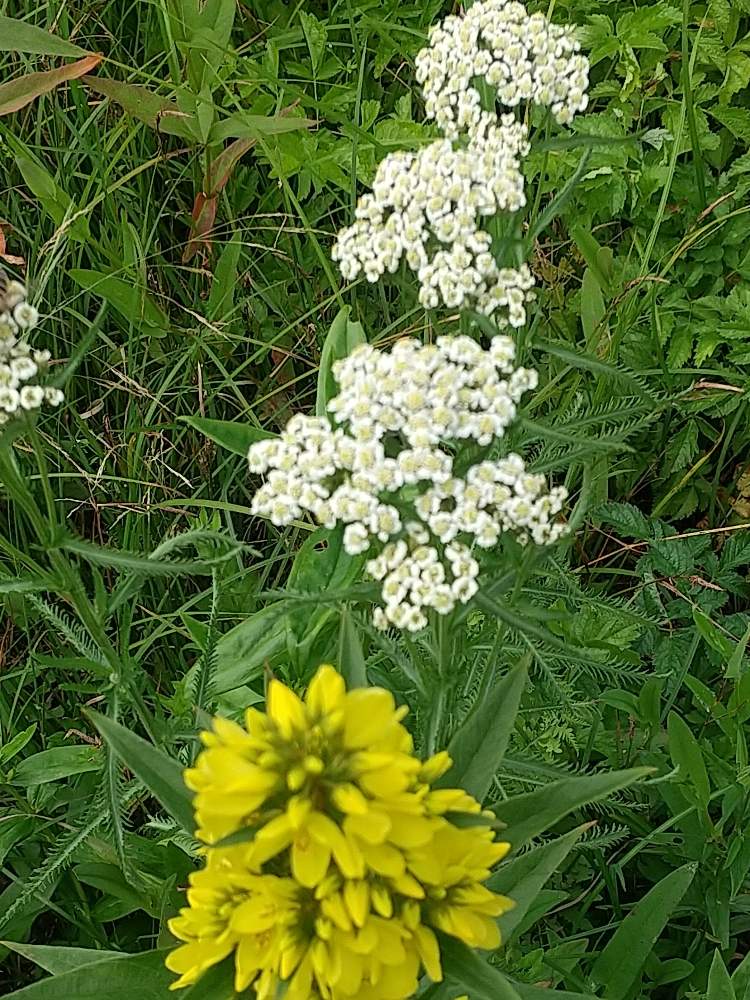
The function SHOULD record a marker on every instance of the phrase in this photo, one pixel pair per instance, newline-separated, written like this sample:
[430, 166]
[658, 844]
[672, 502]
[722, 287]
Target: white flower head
[398, 496]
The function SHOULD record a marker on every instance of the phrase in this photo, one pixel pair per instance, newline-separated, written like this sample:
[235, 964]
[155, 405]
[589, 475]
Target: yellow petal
[429, 952]
[326, 691]
[368, 713]
[345, 851]
[310, 859]
[286, 709]
[357, 899]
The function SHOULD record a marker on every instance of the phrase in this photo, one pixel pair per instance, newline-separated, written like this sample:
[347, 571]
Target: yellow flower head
[351, 859]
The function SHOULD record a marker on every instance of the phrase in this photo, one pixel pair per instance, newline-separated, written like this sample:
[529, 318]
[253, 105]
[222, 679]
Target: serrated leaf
[234, 436]
[161, 774]
[736, 120]
[478, 746]
[134, 562]
[619, 965]
[683, 447]
[528, 815]
[626, 519]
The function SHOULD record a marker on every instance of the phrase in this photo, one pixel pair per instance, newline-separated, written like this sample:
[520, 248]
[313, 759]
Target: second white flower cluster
[426, 206]
[20, 365]
[387, 473]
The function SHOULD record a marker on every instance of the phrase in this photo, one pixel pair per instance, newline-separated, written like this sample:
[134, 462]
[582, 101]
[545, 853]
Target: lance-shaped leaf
[618, 967]
[351, 663]
[144, 976]
[526, 875]
[161, 774]
[235, 437]
[478, 747]
[469, 971]
[528, 815]
[20, 36]
[16, 94]
[341, 339]
[157, 112]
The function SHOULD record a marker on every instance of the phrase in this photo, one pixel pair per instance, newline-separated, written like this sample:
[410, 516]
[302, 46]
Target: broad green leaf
[220, 305]
[232, 435]
[528, 815]
[132, 302]
[316, 37]
[158, 113]
[161, 774]
[58, 960]
[242, 652]
[734, 664]
[56, 763]
[56, 202]
[19, 36]
[16, 94]
[618, 967]
[741, 979]
[470, 972]
[16, 744]
[527, 992]
[143, 976]
[593, 308]
[242, 125]
[478, 747]
[719, 983]
[523, 878]
[351, 664]
[342, 338]
[686, 753]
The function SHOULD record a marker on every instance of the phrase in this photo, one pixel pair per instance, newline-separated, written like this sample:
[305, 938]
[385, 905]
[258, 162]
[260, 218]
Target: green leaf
[471, 973]
[220, 305]
[719, 984]
[340, 341]
[686, 753]
[233, 436]
[351, 663]
[527, 992]
[57, 763]
[478, 746]
[523, 878]
[161, 774]
[243, 651]
[131, 301]
[741, 979]
[736, 120]
[18, 36]
[528, 815]
[618, 967]
[16, 744]
[316, 37]
[57, 960]
[134, 562]
[734, 663]
[158, 113]
[625, 518]
[593, 309]
[143, 976]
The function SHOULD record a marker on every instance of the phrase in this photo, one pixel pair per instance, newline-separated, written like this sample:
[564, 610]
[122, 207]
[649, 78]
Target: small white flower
[25, 315]
[9, 399]
[31, 397]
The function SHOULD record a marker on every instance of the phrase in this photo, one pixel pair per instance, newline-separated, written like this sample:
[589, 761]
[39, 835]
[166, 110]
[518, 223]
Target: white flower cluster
[426, 206]
[522, 57]
[387, 476]
[19, 364]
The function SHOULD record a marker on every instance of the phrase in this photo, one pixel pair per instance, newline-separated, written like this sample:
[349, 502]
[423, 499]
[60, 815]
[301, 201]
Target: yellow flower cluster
[350, 862]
